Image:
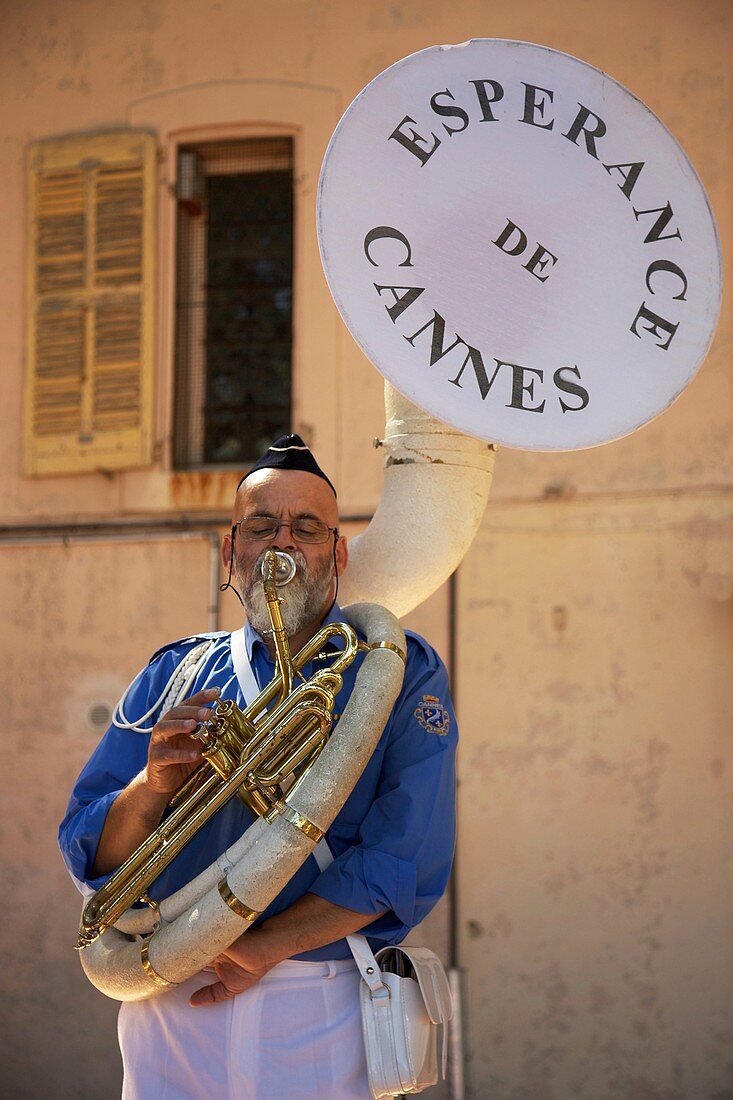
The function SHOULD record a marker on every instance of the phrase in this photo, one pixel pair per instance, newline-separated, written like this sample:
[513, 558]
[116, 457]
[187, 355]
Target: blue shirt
[393, 840]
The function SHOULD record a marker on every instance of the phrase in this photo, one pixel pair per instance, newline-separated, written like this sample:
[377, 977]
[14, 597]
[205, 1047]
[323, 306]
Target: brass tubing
[283, 659]
[171, 843]
[127, 884]
[150, 970]
[235, 904]
[280, 768]
[192, 784]
[134, 877]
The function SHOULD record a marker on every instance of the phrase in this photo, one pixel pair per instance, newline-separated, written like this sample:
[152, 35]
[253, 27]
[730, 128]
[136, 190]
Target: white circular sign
[518, 244]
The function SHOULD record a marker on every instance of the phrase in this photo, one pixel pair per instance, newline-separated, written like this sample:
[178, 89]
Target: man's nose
[283, 539]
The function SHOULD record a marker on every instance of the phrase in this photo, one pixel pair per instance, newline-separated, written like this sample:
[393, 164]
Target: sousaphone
[526, 254]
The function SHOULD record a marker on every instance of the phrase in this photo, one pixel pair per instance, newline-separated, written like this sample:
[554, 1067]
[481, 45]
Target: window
[234, 276]
[88, 398]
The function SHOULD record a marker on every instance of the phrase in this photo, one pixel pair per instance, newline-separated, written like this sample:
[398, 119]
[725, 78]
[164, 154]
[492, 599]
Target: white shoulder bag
[406, 1004]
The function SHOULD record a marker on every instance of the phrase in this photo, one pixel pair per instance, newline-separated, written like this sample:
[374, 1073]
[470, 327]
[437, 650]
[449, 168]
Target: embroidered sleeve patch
[432, 715]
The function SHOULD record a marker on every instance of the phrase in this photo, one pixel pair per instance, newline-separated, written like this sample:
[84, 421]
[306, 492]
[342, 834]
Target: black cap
[289, 452]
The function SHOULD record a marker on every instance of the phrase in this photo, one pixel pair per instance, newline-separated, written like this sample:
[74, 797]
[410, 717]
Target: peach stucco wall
[593, 615]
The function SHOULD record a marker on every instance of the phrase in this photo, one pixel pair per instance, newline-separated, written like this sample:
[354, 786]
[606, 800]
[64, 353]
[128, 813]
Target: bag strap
[431, 977]
[358, 945]
[367, 964]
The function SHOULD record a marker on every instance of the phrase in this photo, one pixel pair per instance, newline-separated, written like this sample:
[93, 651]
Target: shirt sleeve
[117, 759]
[406, 840]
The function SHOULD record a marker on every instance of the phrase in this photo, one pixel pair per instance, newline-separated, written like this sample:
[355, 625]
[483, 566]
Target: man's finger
[207, 695]
[210, 995]
[175, 723]
[180, 712]
[164, 754]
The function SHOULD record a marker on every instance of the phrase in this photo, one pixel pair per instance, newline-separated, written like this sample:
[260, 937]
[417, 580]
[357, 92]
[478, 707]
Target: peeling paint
[202, 489]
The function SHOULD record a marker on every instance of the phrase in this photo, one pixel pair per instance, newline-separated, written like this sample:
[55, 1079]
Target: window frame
[199, 363]
[309, 113]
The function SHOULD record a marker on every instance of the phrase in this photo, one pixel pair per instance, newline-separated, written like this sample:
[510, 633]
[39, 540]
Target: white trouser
[296, 1033]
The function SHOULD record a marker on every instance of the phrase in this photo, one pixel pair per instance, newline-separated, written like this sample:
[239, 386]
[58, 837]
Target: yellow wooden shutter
[89, 381]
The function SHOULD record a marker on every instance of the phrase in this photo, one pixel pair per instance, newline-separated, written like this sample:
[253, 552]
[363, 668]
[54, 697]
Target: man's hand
[173, 754]
[310, 922]
[238, 968]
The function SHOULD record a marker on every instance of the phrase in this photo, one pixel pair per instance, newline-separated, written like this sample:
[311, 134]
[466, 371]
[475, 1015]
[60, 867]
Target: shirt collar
[254, 641]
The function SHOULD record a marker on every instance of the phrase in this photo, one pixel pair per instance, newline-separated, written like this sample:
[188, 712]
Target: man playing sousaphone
[489, 318]
[279, 1015]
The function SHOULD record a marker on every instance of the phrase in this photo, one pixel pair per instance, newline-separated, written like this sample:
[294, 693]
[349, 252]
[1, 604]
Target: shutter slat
[117, 364]
[59, 365]
[61, 229]
[118, 256]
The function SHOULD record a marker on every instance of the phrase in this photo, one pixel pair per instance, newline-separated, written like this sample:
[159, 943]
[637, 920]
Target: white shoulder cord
[180, 681]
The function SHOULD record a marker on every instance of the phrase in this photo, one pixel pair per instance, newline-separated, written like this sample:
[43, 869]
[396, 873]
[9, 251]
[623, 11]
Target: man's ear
[342, 554]
[226, 550]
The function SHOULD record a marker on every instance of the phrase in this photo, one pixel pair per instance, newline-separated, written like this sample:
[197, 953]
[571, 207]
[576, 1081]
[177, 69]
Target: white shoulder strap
[242, 668]
[322, 854]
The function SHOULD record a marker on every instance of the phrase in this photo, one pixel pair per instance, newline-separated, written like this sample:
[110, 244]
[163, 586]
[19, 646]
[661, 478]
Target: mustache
[302, 598]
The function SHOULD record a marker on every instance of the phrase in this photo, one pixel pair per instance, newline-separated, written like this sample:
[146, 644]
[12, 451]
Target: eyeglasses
[303, 529]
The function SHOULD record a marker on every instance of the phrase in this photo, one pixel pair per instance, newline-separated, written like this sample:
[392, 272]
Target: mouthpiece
[285, 569]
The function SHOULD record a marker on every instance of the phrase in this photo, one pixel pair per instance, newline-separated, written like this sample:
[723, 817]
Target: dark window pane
[234, 302]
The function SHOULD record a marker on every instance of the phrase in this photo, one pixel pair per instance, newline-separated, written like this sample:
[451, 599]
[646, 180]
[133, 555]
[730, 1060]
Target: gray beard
[302, 599]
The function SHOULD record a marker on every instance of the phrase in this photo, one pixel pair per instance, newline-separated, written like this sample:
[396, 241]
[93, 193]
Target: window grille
[234, 278]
